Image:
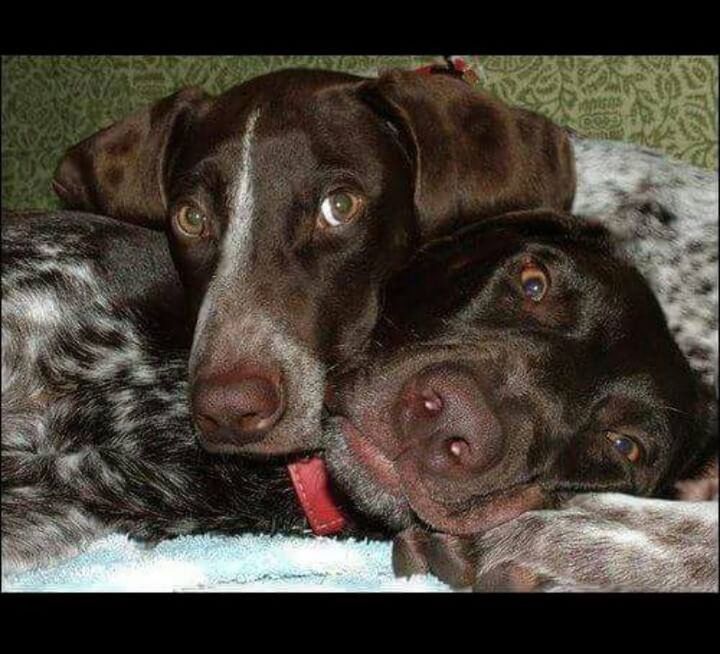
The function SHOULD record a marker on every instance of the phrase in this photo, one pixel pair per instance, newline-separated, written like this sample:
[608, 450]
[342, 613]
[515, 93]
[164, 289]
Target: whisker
[667, 407]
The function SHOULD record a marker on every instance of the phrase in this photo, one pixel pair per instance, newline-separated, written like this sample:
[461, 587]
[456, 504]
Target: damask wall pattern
[50, 102]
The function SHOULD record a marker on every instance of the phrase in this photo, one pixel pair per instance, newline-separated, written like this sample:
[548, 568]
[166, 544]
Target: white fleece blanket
[244, 563]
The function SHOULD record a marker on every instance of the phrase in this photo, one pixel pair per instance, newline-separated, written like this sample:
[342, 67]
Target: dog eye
[339, 208]
[190, 221]
[625, 446]
[534, 281]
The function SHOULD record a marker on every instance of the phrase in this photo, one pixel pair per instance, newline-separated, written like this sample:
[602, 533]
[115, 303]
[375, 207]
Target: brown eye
[534, 281]
[339, 208]
[625, 446]
[190, 221]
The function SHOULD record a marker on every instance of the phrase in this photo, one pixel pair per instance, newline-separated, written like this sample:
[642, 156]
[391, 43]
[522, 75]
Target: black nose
[444, 414]
[238, 410]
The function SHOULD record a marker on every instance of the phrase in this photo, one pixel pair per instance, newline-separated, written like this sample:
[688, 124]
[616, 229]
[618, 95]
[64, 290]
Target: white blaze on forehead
[237, 236]
[235, 245]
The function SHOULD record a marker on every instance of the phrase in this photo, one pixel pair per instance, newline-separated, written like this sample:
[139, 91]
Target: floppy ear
[474, 156]
[121, 171]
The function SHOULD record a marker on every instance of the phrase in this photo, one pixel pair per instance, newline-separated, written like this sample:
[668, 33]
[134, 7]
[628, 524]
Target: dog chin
[476, 515]
[352, 475]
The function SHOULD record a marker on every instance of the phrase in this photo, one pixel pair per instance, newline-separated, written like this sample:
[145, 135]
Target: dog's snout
[233, 413]
[447, 421]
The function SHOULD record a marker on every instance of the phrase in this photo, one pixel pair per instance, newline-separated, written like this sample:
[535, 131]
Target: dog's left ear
[474, 156]
[121, 170]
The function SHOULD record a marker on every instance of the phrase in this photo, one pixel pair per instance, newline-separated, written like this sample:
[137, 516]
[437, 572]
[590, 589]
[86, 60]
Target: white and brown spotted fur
[665, 212]
[604, 542]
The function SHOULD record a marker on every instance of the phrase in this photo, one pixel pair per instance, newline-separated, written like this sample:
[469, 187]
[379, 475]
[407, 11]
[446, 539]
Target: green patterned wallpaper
[49, 103]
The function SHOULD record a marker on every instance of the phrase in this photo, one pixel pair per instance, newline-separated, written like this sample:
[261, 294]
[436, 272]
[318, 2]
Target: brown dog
[521, 361]
[288, 201]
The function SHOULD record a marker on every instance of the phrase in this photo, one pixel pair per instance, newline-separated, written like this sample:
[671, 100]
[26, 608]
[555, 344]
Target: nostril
[237, 410]
[419, 409]
[432, 402]
[457, 448]
[257, 399]
[447, 455]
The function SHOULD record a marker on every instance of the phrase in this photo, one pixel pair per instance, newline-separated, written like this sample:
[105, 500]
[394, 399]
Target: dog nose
[446, 418]
[235, 412]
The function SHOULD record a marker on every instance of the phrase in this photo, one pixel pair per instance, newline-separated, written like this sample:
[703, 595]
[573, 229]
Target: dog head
[288, 201]
[535, 362]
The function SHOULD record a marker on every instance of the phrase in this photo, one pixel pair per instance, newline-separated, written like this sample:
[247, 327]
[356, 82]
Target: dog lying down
[539, 365]
[97, 437]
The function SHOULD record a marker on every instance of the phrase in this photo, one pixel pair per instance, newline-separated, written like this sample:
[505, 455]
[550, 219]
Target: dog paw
[450, 558]
[511, 577]
[408, 553]
[697, 490]
[703, 489]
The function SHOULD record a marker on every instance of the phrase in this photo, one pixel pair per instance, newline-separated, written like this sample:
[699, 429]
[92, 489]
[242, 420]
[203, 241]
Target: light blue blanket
[224, 563]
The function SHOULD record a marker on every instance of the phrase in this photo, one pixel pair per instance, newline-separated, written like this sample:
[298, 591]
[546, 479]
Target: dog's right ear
[121, 171]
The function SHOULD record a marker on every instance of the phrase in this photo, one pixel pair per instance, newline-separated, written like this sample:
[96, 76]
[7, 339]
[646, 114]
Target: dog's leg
[450, 558]
[604, 541]
[592, 543]
[409, 553]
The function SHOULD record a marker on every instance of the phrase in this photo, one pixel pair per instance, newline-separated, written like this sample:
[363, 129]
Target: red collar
[455, 66]
[309, 476]
[312, 487]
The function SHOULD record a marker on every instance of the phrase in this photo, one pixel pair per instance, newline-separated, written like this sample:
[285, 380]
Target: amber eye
[625, 446]
[534, 281]
[190, 221]
[339, 208]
